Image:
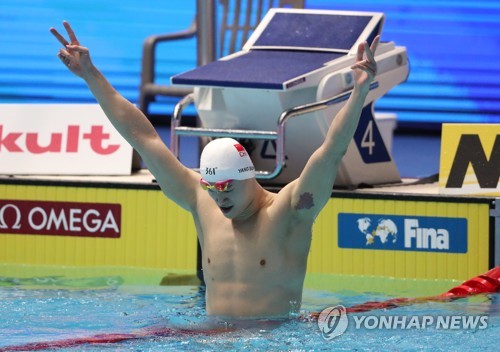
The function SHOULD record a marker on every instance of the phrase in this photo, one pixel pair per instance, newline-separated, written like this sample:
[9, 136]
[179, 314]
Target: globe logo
[385, 231]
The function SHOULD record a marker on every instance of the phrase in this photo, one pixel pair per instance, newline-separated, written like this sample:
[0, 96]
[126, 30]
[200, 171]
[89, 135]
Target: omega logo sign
[60, 218]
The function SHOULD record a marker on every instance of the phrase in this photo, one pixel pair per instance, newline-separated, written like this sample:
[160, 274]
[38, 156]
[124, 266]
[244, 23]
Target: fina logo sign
[402, 233]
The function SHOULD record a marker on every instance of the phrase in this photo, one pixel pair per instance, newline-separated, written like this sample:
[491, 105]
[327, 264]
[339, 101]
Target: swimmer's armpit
[306, 201]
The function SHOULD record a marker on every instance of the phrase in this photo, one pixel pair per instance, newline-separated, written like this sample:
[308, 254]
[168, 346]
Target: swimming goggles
[220, 186]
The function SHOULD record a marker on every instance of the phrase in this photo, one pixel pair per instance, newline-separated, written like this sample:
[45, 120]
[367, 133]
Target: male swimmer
[254, 243]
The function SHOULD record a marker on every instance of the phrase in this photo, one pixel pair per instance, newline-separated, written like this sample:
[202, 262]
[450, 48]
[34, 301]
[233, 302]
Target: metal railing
[278, 135]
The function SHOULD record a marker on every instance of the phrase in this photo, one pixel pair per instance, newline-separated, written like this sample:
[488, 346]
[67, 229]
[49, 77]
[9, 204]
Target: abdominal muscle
[257, 282]
[244, 301]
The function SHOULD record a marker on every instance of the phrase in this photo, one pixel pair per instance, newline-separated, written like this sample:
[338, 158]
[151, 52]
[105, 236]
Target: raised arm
[311, 191]
[177, 182]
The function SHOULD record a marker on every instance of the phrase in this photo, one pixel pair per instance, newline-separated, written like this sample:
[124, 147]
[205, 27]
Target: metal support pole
[206, 24]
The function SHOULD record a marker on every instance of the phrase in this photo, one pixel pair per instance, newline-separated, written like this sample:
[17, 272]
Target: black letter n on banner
[470, 150]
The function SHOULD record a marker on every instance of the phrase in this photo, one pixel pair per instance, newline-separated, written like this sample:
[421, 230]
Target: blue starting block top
[264, 69]
[312, 31]
[286, 47]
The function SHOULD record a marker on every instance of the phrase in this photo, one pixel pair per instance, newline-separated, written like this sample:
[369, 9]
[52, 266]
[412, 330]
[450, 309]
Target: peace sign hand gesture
[74, 56]
[365, 68]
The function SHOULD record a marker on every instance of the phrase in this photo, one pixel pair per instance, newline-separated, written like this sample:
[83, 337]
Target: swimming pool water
[37, 311]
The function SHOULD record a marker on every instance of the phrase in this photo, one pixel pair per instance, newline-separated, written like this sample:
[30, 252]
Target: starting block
[297, 62]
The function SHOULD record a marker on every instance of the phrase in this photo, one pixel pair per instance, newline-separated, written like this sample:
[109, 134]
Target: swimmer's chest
[254, 248]
[253, 236]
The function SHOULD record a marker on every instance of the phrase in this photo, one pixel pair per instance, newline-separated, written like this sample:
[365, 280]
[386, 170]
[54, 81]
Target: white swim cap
[225, 159]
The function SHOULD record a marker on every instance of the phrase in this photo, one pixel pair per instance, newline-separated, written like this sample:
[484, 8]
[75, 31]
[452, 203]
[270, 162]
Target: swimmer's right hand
[74, 56]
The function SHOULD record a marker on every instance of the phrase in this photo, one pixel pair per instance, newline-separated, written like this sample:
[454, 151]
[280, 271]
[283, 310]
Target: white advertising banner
[60, 139]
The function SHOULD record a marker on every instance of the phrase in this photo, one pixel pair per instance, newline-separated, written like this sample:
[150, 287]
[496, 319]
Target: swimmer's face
[235, 199]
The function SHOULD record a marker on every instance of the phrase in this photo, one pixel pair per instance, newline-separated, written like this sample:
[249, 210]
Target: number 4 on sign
[367, 140]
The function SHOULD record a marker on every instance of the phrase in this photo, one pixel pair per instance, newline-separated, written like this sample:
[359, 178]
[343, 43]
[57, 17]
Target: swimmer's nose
[221, 200]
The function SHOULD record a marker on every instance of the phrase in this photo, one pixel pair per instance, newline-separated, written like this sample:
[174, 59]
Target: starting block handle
[319, 105]
[304, 109]
[176, 122]
[176, 130]
[279, 136]
[219, 132]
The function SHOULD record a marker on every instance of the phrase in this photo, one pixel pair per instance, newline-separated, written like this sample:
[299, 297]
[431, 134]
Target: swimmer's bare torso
[254, 267]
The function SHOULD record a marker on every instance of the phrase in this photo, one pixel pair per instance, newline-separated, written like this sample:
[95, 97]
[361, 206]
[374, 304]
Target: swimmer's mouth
[226, 210]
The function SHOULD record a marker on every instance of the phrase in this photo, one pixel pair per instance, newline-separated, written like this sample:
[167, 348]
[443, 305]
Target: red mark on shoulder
[306, 201]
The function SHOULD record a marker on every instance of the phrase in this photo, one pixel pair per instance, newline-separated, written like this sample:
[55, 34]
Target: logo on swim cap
[241, 150]
[210, 171]
[226, 159]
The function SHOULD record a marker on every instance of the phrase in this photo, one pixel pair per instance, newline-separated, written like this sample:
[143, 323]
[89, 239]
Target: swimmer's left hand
[365, 68]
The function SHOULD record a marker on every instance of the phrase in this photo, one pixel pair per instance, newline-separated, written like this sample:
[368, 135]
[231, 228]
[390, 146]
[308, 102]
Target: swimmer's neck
[261, 200]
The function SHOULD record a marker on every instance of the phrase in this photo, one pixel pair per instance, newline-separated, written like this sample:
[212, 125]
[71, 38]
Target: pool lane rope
[482, 284]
